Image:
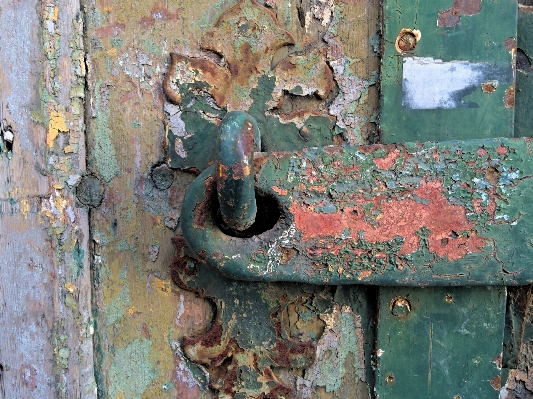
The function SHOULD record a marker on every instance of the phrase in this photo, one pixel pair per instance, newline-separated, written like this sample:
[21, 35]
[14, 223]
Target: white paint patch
[430, 83]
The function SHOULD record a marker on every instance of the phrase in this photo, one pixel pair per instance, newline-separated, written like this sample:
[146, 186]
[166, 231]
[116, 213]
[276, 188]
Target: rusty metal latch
[448, 213]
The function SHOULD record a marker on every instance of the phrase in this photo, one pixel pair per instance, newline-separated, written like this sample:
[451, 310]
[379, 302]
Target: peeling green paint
[132, 370]
[104, 153]
[117, 307]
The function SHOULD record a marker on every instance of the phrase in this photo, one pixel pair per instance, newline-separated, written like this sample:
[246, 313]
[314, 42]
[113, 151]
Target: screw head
[407, 40]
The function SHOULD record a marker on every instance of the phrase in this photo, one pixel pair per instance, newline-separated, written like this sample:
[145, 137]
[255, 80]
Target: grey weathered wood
[45, 302]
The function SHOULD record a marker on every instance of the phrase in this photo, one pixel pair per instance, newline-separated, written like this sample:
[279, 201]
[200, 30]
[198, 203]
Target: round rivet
[162, 176]
[90, 191]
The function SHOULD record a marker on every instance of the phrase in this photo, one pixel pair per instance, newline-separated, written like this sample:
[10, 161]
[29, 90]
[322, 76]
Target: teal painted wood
[450, 213]
[454, 82]
[440, 342]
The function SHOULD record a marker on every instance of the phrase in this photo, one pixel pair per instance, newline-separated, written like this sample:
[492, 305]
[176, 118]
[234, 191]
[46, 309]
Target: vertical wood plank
[45, 295]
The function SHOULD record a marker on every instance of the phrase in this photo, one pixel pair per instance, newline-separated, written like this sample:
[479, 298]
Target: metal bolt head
[90, 191]
[162, 176]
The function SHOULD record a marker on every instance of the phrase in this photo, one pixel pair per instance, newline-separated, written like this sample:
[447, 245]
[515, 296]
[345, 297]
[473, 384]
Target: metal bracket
[449, 213]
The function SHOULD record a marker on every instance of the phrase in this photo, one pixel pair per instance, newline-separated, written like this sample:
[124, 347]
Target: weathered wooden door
[110, 109]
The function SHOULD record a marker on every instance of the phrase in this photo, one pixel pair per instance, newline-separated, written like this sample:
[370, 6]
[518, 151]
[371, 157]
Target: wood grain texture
[46, 345]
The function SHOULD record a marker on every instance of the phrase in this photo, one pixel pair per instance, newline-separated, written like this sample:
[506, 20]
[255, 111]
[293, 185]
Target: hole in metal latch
[268, 214]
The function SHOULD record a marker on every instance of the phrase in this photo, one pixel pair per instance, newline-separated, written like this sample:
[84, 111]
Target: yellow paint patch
[112, 52]
[121, 395]
[70, 287]
[24, 207]
[57, 124]
[132, 311]
[163, 286]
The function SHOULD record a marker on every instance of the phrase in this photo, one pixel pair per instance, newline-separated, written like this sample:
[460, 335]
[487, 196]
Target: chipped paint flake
[57, 124]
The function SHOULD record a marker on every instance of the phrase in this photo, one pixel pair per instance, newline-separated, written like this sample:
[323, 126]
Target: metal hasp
[235, 169]
[449, 213]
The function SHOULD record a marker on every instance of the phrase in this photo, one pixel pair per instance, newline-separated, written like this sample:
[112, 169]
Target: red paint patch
[399, 216]
[477, 205]
[280, 191]
[482, 152]
[502, 150]
[387, 161]
[110, 30]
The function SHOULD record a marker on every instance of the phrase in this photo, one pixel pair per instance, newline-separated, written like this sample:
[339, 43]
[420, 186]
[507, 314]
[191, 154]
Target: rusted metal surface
[142, 315]
[270, 340]
[415, 214]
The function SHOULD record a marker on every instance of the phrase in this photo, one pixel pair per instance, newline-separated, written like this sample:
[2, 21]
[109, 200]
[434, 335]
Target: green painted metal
[239, 137]
[447, 70]
[281, 325]
[449, 213]
[524, 73]
[440, 342]
[195, 146]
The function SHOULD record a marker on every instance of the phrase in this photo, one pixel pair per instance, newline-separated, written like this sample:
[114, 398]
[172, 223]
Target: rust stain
[240, 170]
[257, 37]
[208, 71]
[509, 97]
[496, 383]
[482, 152]
[280, 191]
[502, 150]
[510, 44]
[452, 16]
[109, 30]
[204, 208]
[158, 13]
[388, 161]
[399, 216]
[489, 87]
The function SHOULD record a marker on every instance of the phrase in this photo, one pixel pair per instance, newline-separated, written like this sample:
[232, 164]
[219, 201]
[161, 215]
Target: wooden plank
[45, 319]
[440, 342]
